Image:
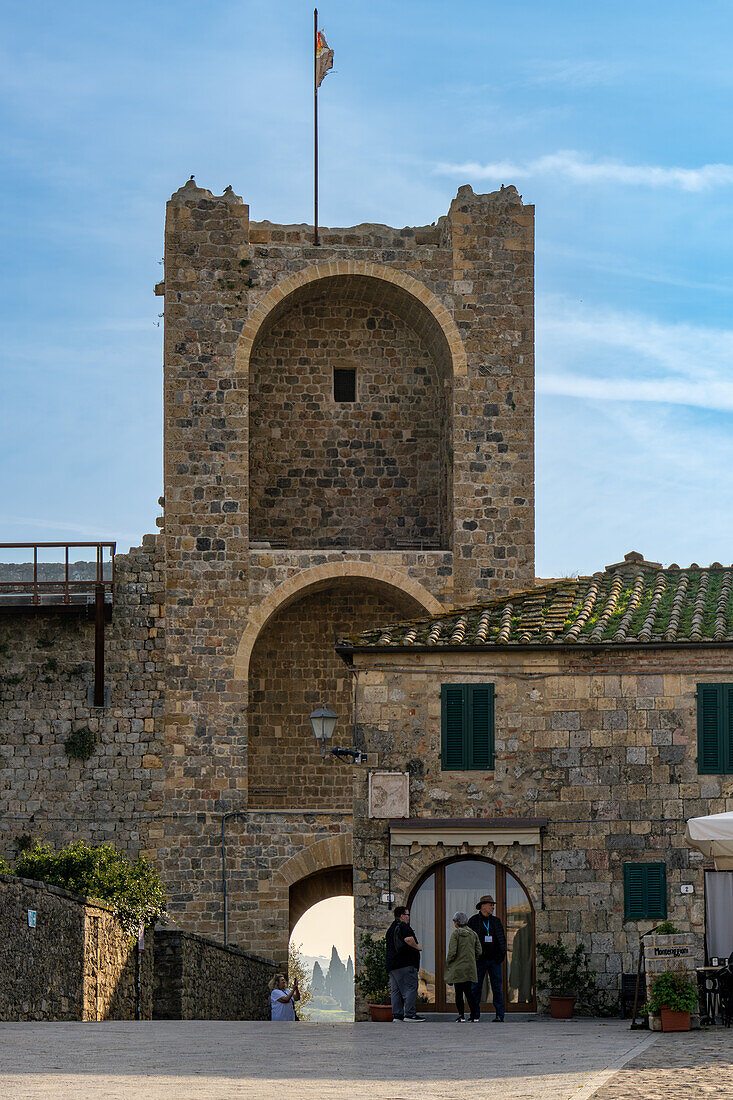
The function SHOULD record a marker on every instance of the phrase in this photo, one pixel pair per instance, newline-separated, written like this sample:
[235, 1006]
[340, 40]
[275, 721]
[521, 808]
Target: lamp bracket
[345, 754]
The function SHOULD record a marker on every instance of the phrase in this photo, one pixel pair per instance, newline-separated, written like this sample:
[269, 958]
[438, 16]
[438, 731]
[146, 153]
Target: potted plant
[666, 928]
[673, 997]
[373, 980]
[566, 977]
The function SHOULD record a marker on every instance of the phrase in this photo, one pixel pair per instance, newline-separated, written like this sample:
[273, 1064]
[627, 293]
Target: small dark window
[344, 385]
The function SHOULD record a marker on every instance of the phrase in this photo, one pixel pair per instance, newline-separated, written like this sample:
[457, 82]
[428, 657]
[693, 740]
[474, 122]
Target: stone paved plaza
[695, 1066]
[527, 1059]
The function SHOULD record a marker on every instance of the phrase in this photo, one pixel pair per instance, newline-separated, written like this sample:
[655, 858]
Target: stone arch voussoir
[319, 576]
[332, 851]
[399, 279]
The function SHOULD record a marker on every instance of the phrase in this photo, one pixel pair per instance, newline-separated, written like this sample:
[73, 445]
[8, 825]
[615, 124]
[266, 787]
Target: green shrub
[372, 979]
[672, 990]
[565, 974]
[81, 744]
[666, 928]
[134, 890]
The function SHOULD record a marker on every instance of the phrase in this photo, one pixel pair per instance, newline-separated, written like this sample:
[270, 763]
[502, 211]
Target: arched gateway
[457, 884]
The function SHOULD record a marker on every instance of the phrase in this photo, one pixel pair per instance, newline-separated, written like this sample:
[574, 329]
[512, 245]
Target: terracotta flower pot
[381, 1014]
[561, 1008]
[675, 1021]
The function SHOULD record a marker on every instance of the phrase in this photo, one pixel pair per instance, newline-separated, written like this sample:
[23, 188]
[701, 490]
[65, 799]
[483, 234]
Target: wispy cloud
[626, 268]
[700, 394]
[579, 168]
[605, 354]
[614, 477]
[575, 73]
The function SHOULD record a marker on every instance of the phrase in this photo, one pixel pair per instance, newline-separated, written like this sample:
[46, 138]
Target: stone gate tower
[348, 440]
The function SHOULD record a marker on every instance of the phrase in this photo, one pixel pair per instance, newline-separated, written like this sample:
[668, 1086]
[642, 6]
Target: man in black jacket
[403, 962]
[490, 932]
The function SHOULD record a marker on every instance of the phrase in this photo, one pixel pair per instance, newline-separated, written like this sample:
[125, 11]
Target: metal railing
[62, 590]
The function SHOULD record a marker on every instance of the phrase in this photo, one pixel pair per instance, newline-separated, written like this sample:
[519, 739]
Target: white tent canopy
[713, 836]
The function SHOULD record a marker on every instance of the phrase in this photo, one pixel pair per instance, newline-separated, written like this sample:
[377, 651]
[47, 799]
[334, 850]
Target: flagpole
[315, 126]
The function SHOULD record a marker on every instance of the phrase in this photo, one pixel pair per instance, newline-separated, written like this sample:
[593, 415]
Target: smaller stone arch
[336, 882]
[332, 851]
[322, 870]
[322, 575]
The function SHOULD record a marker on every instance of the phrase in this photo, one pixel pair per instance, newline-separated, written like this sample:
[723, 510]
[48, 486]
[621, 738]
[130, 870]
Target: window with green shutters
[645, 891]
[714, 729]
[467, 727]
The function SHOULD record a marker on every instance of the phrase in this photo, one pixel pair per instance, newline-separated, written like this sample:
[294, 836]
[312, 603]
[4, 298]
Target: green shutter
[710, 726]
[656, 891]
[727, 745]
[453, 726]
[481, 726]
[633, 891]
[645, 891]
[467, 727]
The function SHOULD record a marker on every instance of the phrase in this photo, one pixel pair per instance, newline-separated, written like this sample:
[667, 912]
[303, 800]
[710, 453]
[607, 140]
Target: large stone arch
[293, 667]
[321, 576]
[370, 471]
[425, 307]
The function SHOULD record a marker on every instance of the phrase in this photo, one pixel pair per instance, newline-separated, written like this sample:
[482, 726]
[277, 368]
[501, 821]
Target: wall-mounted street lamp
[323, 720]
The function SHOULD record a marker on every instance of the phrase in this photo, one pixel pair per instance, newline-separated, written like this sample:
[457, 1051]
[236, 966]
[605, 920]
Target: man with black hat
[490, 932]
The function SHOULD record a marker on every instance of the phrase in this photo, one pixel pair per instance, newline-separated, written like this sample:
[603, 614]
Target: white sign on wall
[389, 794]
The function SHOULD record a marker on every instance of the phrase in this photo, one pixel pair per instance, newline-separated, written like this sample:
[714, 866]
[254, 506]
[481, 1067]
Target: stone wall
[465, 286]
[602, 743]
[77, 963]
[46, 670]
[363, 474]
[198, 979]
[265, 852]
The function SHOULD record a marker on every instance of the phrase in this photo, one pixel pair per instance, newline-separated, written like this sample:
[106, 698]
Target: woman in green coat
[460, 965]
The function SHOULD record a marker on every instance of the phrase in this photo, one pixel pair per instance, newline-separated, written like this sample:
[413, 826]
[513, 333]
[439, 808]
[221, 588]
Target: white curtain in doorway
[719, 913]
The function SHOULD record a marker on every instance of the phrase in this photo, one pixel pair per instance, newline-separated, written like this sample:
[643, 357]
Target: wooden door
[456, 886]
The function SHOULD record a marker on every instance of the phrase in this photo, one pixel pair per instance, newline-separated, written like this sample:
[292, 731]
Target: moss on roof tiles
[634, 602]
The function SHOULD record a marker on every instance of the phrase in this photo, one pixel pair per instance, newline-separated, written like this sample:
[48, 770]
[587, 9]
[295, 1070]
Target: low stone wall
[199, 979]
[76, 963]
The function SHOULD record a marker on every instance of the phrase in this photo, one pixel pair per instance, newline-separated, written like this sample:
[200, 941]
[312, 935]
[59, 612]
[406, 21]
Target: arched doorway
[456, 885]
[321, 954]
[330, 882]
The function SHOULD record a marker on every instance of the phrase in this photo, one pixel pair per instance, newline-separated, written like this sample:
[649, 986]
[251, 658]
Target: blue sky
[614, 119]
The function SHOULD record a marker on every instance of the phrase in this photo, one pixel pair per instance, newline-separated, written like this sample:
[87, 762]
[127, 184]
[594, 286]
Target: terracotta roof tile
[631, 603]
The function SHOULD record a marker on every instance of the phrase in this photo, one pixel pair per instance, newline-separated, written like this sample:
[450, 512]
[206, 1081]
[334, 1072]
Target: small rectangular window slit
[344, 384]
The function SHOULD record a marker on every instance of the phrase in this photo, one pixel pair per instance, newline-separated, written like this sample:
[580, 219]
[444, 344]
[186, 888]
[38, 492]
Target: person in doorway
[464, 950]
[490, 932]
[282, 999]
[403, 962]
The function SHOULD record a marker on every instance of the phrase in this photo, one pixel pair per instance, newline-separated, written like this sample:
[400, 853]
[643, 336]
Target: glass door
[457, 886]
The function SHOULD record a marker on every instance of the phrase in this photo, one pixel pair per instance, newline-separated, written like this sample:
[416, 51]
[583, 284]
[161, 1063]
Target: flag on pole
[324, 58]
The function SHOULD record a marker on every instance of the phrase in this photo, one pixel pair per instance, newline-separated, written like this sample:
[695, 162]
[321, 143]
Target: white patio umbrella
[713, 836]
